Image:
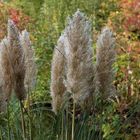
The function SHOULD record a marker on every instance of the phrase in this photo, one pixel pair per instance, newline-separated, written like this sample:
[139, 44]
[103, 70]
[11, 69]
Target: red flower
[14, 15]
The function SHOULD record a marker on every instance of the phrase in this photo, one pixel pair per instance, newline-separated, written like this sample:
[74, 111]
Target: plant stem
[8, 115]
[1, 134]
[30, 123]
[73, 121]
[22, 121]
[66, 124]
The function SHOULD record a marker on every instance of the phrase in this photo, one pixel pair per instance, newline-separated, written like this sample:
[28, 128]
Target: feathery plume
[104, 60]
[57, 75]
[79, 57]
[30, 66]
[2, 95]
[6, 69]
[13, 63]
[17, 57]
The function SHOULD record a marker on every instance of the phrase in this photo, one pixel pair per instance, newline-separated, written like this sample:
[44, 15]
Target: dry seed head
[6, 69]
[16, 56]
[30, 66]
[13, 33]
[79, 57]
[2, 94]
[104, 60]
[57, 75]
[15, 52]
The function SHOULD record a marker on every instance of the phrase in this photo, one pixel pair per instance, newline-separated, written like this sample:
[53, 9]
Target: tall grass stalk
[30, 121]
[29, 115]
[62, 132]
[66, 124]
[8, 121]
[1, 133]
[73, 120]
[22, 121]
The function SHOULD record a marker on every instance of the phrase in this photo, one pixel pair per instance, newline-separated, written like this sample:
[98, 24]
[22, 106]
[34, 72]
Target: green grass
[42, 124]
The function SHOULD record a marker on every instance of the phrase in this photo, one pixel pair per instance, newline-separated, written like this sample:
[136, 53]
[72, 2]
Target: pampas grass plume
[57, 75]
[13, 63]
[79, 57]
[104, 60]
[17, 65]
[8, 87]
[17, 57]
[30, 66]
[6, 70]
